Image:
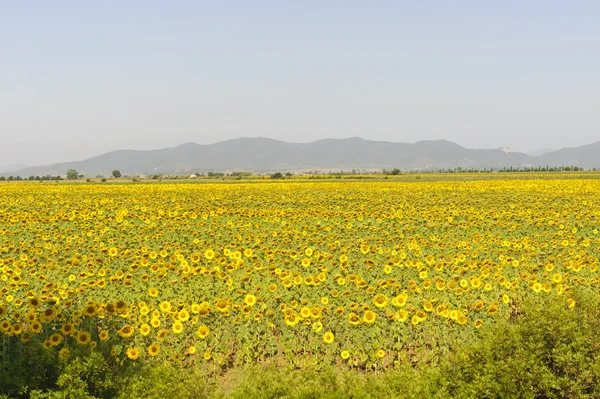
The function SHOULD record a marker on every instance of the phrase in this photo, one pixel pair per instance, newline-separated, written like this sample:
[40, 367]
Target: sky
[80, 78]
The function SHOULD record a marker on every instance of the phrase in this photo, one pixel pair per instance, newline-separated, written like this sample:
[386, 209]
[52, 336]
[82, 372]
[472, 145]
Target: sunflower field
[362, 274]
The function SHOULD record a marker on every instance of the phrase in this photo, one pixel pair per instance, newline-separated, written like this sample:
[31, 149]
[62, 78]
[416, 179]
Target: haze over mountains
[267, 155]
[10, 168]
[537, 153]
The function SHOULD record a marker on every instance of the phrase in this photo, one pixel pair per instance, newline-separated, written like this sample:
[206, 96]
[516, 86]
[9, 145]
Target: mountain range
[268, 155]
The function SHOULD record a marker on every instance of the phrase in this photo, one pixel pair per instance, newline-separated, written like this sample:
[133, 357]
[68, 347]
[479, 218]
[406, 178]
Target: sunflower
[250, 300]
[402, 316]
[380, 301]
[291, 320]
[48, 315]
[36, 327]
[145, 329]
[154, 349]
[453, 314]
[133, 353]
[399, 301]
[165, 306]
[103, 335]
[126, 331]
[204, 309]
[493, 309]
[195, 308]
[203, 332]
[328, 337]
[111, 308]
[222, 305]
[305, 312]
[121, 306]
[428, 306]
[209, 254]
[369, 317]
[33, 302]
[17, 329]
[5, 326]
[177, 327]
[183, 315]
[479, 305]
[89, 311]
[83, 338]
[353, 319]
[345, 354]
[315, 313]
[155, 322]
[317, 326]
[380, 353]
[55, 339]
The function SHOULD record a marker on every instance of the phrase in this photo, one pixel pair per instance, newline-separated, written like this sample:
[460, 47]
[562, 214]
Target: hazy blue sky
[79, 78]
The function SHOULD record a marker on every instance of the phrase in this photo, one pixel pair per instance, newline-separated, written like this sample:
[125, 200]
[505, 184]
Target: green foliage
[545, 351]
[162, 381]
[277, 175]
[88, 376]
[116, 173]
[550, 352]
[72, 174]
[23, 367]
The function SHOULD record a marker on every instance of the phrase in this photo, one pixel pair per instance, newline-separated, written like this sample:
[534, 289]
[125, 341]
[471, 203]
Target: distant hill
[265, 155]
[587, 156]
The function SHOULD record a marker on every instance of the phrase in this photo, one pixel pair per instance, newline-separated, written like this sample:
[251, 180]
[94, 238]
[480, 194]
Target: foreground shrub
[549, 351]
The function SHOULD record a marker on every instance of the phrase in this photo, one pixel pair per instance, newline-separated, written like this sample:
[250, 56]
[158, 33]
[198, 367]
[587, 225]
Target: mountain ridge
[259, 154]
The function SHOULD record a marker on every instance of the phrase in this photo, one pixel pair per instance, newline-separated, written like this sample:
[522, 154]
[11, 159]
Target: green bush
[550, 351]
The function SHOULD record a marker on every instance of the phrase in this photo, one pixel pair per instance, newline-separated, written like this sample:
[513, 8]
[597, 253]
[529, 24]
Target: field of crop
[361, 275]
